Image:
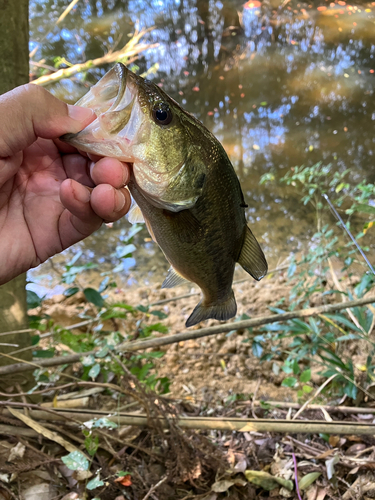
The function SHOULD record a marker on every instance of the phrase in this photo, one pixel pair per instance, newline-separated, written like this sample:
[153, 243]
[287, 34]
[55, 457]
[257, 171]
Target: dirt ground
[214, 376]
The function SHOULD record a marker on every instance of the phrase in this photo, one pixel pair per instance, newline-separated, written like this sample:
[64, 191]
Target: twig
[195, 334]
[296, 406]
[131, 49]
[253, 398]
[306, 404]
[67, 10]
[153, 488]
[296, 476]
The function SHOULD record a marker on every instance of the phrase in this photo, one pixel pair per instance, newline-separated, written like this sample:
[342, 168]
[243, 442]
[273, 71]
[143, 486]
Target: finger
[78, 168]
[109, 203]
[36, 113]
[79, 219]
[110, 171]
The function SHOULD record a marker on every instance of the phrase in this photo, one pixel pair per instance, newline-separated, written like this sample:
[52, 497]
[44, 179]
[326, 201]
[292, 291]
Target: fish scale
[182, 182]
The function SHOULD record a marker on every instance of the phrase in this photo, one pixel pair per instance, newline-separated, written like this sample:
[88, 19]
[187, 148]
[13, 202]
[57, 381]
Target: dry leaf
[322, 494]
[16, 452]
[333, 440]
[330, 465]
[311, 492]
[124, 480]
[221, 486]
[43, 430]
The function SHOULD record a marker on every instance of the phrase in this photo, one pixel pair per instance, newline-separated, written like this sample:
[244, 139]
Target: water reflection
[278, 84]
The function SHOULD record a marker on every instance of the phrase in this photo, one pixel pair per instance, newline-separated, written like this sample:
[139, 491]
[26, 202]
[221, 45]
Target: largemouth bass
[183, 183]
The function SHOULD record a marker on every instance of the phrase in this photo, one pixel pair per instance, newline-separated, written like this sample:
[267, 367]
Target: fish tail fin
[221, 311]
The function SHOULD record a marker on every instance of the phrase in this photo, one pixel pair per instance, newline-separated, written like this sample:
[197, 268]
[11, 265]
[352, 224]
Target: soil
[214, 376]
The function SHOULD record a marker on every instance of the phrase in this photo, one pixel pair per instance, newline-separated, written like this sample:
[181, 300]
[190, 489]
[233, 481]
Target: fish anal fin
[173, 279]
[220, 311]
[135, 215]
[252, 258]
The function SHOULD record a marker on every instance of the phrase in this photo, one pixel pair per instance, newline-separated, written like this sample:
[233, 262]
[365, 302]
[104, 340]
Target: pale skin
[51, 196]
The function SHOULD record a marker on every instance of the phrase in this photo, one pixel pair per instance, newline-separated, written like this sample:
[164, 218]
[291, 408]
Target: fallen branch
[297, 406]
[193, 334]
[130, 50]
[208, 423]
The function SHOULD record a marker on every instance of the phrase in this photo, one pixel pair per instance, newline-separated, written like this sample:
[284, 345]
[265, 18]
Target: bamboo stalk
[193, 334]
[131, 49]
[208, 423]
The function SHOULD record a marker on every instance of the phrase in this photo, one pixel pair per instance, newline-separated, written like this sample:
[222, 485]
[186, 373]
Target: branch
[131, 49]
[194, 334]
[209, 423]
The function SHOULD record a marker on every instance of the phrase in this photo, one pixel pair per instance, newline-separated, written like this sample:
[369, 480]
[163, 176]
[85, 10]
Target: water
[279, 85]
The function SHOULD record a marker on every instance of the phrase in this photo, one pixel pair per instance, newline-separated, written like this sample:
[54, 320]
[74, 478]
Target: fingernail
[81, 114]
[125, 175]
[82, 195]
[119, 201]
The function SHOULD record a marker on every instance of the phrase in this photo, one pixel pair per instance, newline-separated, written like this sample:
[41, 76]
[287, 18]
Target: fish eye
[162, 114]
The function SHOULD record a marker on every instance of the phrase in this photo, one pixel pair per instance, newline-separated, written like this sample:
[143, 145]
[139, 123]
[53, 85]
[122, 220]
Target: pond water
[279, 83]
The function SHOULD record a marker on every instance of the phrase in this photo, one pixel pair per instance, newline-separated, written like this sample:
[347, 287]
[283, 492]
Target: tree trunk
[14, 71]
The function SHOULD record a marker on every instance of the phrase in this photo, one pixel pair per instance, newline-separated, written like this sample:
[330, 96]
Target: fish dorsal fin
[173, 279]
[135, 215]
[252, 258]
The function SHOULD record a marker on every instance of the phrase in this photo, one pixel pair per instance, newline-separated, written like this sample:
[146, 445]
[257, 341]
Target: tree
[14, 71]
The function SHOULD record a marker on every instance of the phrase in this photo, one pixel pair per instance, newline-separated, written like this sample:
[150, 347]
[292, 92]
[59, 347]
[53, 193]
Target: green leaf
[368, 209]
[95, 370]
[94, 483]
[292, 269]
[92, 444]
[308, 480]
[44, 353]
[71, 291]
[94, 297]
[266, 480]
[289, 382]
[101, 423]
[33, 300]
[257, 349]
[76, 461]
[307, 389]
[263, 103]
[305, 376]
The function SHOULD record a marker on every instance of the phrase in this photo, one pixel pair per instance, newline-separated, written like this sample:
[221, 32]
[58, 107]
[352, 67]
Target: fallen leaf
[333, 440]
[266, 481]
[308, 480]
[222, 486]
[53, 436]
[124, 480]
[330, 465]
[16, 452]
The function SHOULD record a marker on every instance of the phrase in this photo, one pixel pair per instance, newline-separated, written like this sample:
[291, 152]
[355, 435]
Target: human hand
[50, 195]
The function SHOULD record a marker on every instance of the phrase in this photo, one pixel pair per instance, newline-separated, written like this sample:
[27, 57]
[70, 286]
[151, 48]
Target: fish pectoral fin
[173, 279]
[135, 215]
[252, 258]
[220, 311]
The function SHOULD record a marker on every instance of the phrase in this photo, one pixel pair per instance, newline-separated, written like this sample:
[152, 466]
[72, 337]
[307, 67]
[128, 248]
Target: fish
[182, 183]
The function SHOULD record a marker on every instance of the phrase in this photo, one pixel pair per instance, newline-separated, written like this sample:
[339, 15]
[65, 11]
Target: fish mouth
[114, 99]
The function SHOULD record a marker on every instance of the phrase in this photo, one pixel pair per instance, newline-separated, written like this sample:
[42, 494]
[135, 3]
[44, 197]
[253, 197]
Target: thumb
[34, 112]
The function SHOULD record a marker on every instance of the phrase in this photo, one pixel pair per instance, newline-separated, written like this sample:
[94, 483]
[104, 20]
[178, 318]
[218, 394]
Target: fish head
[137, 122]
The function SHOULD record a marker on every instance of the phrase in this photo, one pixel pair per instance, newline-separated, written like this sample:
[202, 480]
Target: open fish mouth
[114, 99]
